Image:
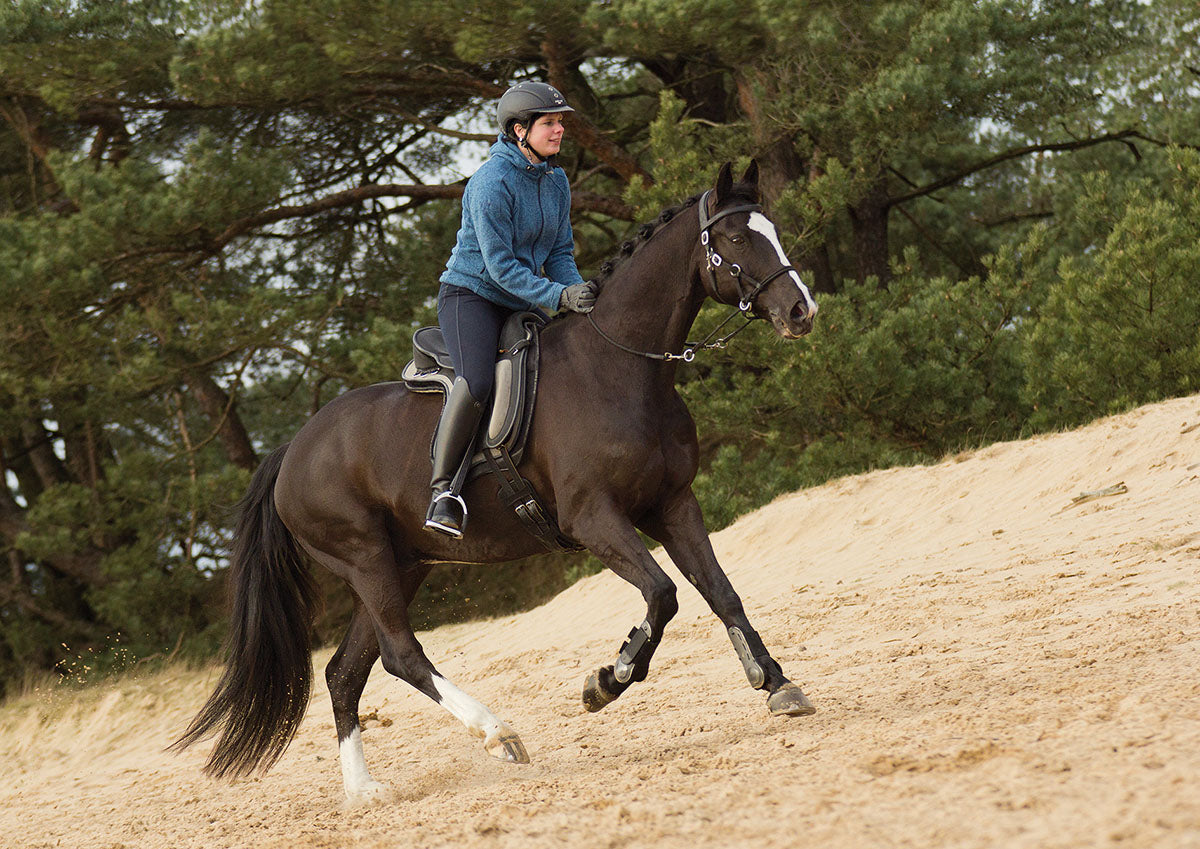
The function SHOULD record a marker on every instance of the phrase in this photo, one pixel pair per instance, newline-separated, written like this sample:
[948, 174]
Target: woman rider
[515, 251]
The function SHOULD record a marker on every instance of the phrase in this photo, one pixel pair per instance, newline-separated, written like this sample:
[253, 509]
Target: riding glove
[580, 297]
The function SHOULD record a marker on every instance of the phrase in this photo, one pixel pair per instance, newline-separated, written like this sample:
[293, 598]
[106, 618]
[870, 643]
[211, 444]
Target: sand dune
[992, 666]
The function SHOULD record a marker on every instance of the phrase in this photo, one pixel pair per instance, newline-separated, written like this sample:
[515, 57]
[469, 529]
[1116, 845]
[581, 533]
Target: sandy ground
[991, 667]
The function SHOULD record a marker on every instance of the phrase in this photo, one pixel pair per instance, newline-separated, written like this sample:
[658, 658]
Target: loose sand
[990, 667]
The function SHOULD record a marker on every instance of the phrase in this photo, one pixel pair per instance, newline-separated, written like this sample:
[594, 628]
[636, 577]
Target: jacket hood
[509, 152]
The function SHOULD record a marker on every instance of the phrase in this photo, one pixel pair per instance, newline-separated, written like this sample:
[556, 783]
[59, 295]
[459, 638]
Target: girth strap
[516, 492]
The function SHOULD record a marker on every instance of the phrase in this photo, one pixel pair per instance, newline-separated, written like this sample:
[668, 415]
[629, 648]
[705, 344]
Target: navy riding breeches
[471, 327]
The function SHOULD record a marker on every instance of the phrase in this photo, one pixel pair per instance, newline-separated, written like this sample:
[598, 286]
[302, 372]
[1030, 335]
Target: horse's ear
[751, 175]
[724, 182]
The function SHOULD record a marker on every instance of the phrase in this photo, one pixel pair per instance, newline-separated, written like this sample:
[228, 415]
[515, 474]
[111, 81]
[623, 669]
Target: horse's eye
[738, 240]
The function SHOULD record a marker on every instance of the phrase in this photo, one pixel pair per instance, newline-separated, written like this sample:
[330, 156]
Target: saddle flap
[499, 422]
[518, 354]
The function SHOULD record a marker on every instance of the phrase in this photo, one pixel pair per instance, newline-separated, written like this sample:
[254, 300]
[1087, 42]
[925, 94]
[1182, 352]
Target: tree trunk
[780, 166]
[698, 81]
[39, 448]
[586, 133]
[869, 220]
[816, 261]
[221, 411]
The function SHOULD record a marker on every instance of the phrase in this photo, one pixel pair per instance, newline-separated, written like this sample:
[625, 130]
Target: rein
[745, 304]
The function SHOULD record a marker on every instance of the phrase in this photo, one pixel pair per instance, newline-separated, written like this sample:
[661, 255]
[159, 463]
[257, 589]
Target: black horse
[612, 449]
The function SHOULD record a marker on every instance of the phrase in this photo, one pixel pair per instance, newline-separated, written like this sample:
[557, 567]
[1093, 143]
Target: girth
[503, 433]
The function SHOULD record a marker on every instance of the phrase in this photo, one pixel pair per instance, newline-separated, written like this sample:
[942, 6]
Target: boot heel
[447, 515]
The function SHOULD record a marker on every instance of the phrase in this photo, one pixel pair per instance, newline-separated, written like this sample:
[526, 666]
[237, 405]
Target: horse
[611, 450]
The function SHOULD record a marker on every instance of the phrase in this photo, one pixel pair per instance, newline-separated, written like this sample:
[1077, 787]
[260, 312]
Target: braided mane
[645, 232]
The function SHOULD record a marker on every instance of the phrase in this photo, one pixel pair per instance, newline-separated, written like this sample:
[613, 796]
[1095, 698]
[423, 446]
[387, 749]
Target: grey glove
[580, 297]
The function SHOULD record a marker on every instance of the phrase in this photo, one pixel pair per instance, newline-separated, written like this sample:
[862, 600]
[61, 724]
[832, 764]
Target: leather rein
[747, 290]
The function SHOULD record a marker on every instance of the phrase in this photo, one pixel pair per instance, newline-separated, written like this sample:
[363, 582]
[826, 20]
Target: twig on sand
[1092, 495]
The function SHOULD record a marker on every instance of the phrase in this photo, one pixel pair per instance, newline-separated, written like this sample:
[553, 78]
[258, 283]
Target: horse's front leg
[611, 536]
[680, 528]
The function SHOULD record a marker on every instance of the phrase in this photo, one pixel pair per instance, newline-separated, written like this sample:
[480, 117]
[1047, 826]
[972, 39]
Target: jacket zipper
[542, 213]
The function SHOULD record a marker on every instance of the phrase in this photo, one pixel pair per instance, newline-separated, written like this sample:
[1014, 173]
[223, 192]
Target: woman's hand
[580, 297]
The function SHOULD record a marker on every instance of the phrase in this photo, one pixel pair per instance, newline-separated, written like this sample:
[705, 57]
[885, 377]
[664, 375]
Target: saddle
[500, 443]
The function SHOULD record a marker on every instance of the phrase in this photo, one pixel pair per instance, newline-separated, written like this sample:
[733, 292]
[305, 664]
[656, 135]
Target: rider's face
[545, 136]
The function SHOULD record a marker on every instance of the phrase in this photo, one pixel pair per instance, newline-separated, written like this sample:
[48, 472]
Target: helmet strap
[551, 160]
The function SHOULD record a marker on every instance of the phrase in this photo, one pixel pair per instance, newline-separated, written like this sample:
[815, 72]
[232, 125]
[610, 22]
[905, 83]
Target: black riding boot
[455, 435]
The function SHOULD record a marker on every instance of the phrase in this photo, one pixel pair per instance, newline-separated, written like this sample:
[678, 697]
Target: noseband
[714, 261]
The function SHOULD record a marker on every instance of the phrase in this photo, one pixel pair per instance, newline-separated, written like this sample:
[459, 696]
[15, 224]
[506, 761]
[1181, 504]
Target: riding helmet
[524, 101]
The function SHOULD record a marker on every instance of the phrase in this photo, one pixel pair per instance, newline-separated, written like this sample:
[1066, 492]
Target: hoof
[366, 794]
[507, 746]
[789, 700]
[595, 696]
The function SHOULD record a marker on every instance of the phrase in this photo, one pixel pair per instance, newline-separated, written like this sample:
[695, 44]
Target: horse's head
[744, 261]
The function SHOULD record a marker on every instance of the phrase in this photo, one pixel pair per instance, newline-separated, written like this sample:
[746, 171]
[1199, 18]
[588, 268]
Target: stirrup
[444, 524]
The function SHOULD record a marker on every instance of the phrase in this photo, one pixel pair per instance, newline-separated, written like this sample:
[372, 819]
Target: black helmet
[524, 100]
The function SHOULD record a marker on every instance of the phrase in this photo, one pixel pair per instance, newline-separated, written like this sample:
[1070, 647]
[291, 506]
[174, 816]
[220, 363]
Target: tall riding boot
[455, 435]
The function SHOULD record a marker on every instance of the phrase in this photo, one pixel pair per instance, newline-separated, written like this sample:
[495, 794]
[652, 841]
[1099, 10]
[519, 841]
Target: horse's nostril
[798, 313]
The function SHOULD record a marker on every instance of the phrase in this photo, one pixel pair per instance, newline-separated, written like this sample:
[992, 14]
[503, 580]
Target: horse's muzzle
[796, 323]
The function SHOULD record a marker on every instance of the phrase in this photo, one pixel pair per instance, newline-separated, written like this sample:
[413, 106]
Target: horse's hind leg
[346, 675]
[403, 657]
[384, 592]
[680, 528]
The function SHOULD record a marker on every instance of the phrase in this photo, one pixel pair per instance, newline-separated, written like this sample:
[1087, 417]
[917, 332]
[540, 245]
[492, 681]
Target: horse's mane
[646, 231]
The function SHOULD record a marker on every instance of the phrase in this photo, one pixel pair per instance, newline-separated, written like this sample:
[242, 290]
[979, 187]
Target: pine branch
[603, 204]
[1013, 217]
[1016, 153]
[442, 131]
[583, 202]
[334, 201]
[586, 133]
[13, 594]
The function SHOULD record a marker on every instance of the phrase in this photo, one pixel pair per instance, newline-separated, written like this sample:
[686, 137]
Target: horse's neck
[652, 298]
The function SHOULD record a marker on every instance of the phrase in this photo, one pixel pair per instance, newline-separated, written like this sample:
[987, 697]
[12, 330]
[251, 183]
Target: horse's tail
[264, 691]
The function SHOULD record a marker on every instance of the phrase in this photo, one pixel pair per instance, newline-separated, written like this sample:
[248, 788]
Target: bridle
[747, 286]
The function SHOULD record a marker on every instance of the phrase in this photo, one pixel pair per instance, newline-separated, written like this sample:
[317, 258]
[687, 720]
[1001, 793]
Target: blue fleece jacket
[515, 246]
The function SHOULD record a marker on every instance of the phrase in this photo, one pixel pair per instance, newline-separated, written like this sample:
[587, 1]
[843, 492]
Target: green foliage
[1121, 326]
[680, 160]
[67, 52]
[929, 367]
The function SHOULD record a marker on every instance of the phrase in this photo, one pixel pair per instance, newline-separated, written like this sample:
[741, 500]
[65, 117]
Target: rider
[514, 252]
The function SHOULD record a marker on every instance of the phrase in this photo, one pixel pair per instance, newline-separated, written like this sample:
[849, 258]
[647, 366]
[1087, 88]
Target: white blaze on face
[759, 223]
